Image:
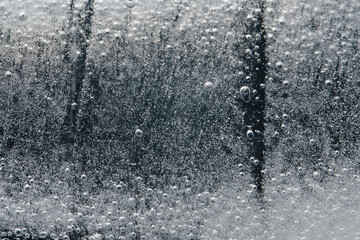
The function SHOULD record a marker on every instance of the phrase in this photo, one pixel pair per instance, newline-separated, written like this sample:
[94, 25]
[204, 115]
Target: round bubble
[8, 74]
[279, 65]
[138, 133]
[250, 134]
[18, 232]
[43, 235]
[328, 83]
[22, 16]
[130, 3]
[208, 86]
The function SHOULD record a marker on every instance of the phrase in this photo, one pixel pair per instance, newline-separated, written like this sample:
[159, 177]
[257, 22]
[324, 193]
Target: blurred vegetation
[149, 72]
[136, 125]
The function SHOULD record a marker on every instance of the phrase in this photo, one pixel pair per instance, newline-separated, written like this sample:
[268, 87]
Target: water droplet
[27, 187]
[245, 94]
[83, 177]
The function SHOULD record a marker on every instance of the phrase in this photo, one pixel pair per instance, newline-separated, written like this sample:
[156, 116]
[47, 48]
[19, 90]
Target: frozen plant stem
[81, 38]
[255, 109]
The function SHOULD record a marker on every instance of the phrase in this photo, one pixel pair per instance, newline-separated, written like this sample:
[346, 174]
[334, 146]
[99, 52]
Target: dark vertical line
[82, 35]
[255, 109]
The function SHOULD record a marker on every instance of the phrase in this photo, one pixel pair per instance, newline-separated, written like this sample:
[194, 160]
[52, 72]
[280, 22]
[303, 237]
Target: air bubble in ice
[43, 235]
[130, 3]
[8, 74]
[245, 94]
[18, 232]
[279, 65]
[328, 83]
[96, 236]
[208, 86]
[138, 133]
[312, 142]
[22, 16]
[250, 134]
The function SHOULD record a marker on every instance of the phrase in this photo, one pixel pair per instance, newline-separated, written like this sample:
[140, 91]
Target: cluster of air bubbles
[254, 161]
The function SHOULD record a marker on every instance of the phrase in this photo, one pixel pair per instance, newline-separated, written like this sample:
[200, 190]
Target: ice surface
[133, 119]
